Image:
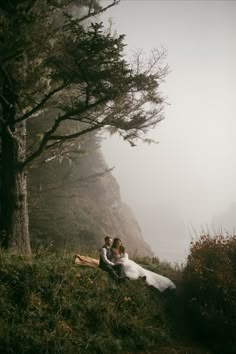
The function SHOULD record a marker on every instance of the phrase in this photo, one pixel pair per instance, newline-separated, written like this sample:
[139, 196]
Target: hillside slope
[50, 305]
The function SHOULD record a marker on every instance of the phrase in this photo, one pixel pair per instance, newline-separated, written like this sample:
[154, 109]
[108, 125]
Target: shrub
[210, 290]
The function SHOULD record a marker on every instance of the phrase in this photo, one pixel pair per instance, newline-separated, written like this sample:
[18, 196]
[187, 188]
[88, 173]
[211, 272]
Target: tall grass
[50, 305]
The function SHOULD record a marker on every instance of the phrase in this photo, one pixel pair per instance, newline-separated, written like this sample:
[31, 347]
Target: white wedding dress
[134, 271]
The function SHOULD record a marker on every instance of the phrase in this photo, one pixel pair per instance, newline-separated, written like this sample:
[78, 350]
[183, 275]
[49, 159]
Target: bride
[134, 271]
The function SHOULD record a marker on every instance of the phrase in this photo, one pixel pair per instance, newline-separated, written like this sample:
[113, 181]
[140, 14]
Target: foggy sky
[183, 183]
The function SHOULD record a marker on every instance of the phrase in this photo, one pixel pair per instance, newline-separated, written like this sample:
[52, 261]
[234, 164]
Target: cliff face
[76, 203]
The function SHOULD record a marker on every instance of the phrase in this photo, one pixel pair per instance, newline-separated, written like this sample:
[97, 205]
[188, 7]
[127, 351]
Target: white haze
[187, 182]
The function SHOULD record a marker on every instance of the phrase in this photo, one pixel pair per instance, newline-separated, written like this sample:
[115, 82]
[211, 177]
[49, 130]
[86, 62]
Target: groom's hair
[107, 238]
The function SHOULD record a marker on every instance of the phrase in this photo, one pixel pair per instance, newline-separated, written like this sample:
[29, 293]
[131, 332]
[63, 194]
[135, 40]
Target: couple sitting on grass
[115, 261]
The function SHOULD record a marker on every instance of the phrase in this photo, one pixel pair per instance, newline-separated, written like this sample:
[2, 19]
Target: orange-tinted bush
[210, 290]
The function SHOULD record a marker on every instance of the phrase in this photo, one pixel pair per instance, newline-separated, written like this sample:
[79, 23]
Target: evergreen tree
[52, 65]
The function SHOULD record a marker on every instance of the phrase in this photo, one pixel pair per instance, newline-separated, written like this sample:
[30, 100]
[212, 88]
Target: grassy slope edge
[50, 305]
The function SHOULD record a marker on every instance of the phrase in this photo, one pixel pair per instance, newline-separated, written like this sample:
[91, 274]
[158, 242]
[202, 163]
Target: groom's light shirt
[103, 253]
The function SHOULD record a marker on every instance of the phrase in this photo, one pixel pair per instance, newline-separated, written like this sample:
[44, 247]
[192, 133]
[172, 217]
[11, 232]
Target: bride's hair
[116, 243]
[122, 249]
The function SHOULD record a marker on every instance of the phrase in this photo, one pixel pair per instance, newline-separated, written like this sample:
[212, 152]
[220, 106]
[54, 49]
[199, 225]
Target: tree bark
[15, 220]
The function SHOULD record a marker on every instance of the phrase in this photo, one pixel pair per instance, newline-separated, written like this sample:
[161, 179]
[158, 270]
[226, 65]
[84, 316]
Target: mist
[185, 184]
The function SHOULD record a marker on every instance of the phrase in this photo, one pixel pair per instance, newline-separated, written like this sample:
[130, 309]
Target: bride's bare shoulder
[114, 251]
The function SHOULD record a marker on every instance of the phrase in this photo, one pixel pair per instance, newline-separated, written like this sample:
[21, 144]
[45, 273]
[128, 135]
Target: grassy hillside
[50, 305]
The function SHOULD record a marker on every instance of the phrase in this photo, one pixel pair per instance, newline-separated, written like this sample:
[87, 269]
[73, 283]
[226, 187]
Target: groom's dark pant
[115, 271]
[119, 268]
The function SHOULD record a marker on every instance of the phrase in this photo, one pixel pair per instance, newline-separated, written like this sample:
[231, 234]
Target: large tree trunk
[15, 219]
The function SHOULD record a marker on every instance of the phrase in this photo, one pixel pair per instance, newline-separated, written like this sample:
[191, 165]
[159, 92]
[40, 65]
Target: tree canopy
[55, 65]
[49, 61]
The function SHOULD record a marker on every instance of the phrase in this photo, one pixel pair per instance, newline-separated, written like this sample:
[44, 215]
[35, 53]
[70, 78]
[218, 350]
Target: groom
[105, 263]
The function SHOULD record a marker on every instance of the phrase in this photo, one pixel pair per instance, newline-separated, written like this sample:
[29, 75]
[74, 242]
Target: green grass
[50, 305]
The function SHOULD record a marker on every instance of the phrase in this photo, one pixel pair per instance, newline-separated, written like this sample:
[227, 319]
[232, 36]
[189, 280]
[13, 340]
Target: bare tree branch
[40, 104]
[11, 134]
[84, 179]
[5, 100]
[75, 135]
[94, 13]
[43, 143]
[90, 7]
[48, 135]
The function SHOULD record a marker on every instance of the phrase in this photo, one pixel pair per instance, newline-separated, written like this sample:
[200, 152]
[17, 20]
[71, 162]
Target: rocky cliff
[75, 201]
